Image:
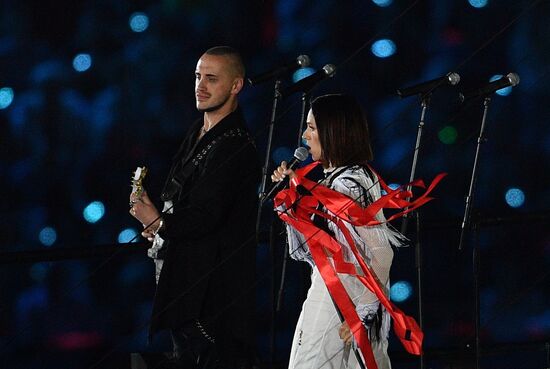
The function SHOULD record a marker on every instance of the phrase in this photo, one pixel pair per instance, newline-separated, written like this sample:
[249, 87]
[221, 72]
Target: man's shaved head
[236, 64]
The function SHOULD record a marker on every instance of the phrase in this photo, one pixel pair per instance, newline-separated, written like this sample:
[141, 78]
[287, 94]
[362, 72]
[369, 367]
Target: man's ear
[238, 84]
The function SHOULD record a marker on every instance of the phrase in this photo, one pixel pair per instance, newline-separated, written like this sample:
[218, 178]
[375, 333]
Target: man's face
[214, 82]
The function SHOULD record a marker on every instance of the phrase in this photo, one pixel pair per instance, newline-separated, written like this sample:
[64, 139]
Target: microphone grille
[454, 78]
[303, 61]
[513, 78]
[301, 153]
[329, 69]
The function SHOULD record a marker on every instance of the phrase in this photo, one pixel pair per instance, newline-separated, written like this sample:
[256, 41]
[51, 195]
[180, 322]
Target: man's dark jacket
[209, 263]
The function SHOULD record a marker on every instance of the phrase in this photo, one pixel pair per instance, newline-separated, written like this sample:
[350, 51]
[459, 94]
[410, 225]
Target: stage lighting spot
[383, 48]
[478, 3]
[82, 62]
[503, 91]
[127, 235]
[515, 197]
[447, 135]
[6, 97]
[139, 22]
[400, 291]
[94, 211]
[302, 73]
[382, 3]
[47, 236]
[393, 186]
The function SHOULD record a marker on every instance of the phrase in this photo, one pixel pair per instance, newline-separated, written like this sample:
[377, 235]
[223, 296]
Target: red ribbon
[298, 215]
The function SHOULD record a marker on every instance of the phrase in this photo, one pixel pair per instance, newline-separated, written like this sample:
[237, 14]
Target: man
[204, 241]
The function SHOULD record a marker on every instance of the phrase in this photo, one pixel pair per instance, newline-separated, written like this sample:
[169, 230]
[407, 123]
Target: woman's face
[311, 135]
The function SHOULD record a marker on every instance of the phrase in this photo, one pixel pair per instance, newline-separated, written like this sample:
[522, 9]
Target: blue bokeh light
[82, 62]
[383, 48]
[6, 97]
[47, 236]
[139, 22]
[382, 3]
[503, 91]
[94, 211]
[478, 3]
[393, 186]
[515, 197]
[400, 291]
[127, 235]
[302, 73]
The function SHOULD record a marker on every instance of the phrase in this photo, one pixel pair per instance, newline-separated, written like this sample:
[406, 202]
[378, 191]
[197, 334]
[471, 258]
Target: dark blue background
[68, 138]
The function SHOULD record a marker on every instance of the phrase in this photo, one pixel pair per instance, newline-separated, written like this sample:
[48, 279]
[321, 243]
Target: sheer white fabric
[316, 342]
[158, 244]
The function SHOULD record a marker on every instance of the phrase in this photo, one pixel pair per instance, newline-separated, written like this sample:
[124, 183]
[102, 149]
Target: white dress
[316, 343]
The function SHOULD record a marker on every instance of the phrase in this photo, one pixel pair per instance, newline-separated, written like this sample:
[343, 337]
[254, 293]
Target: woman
[337, 135]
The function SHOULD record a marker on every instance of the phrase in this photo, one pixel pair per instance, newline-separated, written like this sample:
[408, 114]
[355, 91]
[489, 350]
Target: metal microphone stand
[355, 349]
[466, 224]
[305, 105]
[303, 118]
[425, 101]
[276, 98]
[261, 197]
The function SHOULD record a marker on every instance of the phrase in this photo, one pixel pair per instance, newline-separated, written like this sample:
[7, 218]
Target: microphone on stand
[424, 89]
[306, 84]
[451, 78]
[300, 154]
[511, 79]
[301, 61]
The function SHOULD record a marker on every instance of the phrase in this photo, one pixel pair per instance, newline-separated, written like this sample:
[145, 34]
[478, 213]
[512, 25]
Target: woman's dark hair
[343, 130]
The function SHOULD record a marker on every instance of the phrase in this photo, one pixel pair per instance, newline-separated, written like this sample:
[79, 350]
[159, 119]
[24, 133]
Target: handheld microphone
[301, 61]
[511, 79]
[300, 154]
[451, 78]
[306, 84]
